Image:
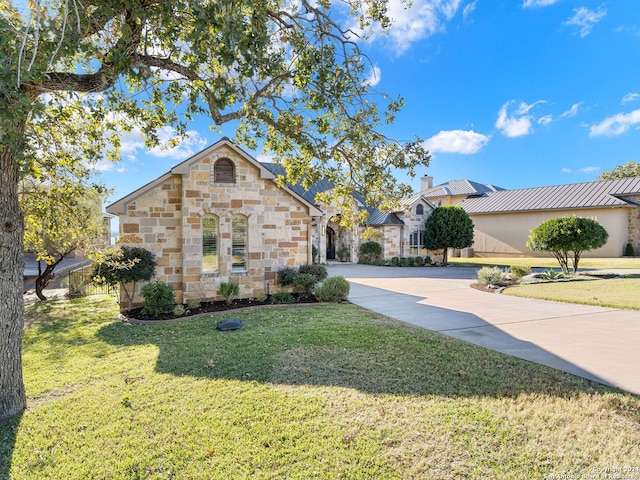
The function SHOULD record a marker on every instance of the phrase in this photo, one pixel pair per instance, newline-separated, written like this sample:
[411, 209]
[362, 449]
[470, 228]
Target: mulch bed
[213, 307]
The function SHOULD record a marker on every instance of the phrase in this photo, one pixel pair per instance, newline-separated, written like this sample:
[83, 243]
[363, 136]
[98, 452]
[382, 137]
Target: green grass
[547, 262]
[329, 391]
[615, 293]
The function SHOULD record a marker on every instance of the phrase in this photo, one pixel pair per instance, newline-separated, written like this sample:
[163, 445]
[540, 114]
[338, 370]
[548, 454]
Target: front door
[331, 244]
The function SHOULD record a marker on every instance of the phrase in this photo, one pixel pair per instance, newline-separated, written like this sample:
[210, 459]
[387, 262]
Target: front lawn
[547, 262]
[615, 293]
[300, 392]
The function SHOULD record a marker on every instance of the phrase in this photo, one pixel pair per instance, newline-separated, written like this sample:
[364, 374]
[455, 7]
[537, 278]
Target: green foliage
[318, 271]
[491, 276]
[282, 297]
[305, 282]
[567, 235]
[343, 252]
[193, 303]
[448, 226]
[371, 248]
[287, 276]
[419, 261]
[178, 310]
[404, 262]
[519, 271]
[628, 170]
[628, 250]
[333, 289]
[427, 261]
[229, 291]
[158, 298]
[314, 253]
[395, 261]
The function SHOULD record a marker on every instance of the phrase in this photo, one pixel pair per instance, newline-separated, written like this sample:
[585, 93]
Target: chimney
[427, 182]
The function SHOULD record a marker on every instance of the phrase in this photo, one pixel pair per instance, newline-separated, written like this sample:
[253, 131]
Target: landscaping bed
[205, 308]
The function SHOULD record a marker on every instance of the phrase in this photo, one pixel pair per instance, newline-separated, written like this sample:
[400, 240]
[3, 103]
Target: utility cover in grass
[229, 324]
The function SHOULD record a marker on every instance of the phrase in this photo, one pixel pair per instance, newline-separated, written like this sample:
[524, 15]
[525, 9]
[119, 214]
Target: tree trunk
[12, 393]
[43, 279]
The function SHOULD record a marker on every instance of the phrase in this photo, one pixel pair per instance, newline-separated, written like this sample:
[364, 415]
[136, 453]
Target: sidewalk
[597, 343]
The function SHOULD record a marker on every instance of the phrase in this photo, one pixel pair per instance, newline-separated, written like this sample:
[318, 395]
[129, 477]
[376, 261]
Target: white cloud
[630, 97]
[466, 142]
[374, 77]
[545, 120]
[572, 112]
[538, 3]
[468, 10]
[420, 20]
[583, 170]
[586, 19]
[566, 170]
[188, 146]
[518, 123]
[616, 124]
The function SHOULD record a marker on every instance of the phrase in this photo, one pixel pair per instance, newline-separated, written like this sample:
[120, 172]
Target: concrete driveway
[601, 344]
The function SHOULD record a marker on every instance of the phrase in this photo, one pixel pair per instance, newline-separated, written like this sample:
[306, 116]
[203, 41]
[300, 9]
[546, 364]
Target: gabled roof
[599, 194]
[119, 206]
[408, 202]
[460, 187]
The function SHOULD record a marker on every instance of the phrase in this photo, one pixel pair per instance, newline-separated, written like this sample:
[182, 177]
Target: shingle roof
[597, 194]
[376, 217]
[460, 187]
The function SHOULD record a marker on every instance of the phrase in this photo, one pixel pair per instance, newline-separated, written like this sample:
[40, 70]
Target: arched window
[209, 243]
[224, 171]
[419, 209]
[239, 237]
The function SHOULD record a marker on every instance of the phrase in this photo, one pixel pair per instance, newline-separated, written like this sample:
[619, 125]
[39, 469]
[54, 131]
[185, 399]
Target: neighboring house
[503, 219]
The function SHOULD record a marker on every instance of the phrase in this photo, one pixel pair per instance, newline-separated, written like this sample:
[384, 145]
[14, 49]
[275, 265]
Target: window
[419, 209]
[209, 243]
[224, 171]
[239, 243]
[416, 242]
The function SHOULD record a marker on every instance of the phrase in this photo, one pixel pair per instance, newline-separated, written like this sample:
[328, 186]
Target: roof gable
[460, 188]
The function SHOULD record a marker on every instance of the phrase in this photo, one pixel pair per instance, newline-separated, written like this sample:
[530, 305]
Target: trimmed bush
[158, 298]
[229, 291]
[333, 289]
[419, 261]
[628, 250]
[305, 283]
[287, 275]
[395, 261]
[282, 297]
[490, 276]
[404, 262]
[318, 271]
[517, 272]
[427, 261]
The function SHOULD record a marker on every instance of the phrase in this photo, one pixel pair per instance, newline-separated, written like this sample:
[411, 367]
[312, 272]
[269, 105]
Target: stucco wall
[506, 234]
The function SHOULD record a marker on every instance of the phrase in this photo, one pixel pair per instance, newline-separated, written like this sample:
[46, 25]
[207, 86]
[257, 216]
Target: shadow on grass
[342, 346]
[8, 433]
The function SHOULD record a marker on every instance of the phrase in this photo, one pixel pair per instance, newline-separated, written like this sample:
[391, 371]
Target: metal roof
[599, 194]
[460, 187]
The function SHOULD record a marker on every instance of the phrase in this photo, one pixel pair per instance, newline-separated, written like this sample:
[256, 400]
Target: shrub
[517, 271]
[314, 253]
[395, 261]
[305, 283]
[179, 310]
[419, 261]
[158, 298]
[193, 303]
[371, 248]
[427, 260]
[404, 262]
[287, 276]
[628, 250]
[318, 271]
[333, 289]
[490, 276]
[282, 297]
[229, 291]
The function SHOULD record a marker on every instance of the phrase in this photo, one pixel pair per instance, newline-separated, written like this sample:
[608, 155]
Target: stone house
[220, 216]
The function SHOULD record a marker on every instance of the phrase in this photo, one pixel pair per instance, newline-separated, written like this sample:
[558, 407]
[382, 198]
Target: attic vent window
[224, 171]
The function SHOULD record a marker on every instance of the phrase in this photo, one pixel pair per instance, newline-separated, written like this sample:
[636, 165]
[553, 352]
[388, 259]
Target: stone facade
[166, 217]
[634, 223]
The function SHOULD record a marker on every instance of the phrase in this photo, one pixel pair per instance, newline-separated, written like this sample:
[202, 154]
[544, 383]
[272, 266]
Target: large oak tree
[288, 73]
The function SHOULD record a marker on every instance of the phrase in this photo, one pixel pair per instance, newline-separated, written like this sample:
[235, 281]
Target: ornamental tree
[288, 74]
[566, 236]
[448, 226]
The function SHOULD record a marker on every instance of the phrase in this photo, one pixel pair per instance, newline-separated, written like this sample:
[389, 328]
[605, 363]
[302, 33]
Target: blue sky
[517, 93]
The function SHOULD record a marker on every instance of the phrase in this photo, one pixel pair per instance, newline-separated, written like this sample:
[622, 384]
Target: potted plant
[343, 253]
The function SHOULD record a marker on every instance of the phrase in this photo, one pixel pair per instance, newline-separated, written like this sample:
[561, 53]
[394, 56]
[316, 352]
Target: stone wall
[634, 223]
[167, 219]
